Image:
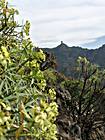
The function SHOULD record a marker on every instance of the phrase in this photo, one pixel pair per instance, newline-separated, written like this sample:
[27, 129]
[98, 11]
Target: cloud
[95, 43]
[74, 22]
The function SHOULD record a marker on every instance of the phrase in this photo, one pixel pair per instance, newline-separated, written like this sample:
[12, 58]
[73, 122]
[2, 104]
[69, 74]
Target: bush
[27, 110]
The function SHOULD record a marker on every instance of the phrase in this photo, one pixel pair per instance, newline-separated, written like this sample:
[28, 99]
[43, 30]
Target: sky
[75, 22]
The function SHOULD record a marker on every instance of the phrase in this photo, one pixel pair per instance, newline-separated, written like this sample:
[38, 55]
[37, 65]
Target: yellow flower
[9, 60]
[3, 48]
[37, 119]
[43, 115]
[5, 51]
[1, 56]
[6, 54]
[4, 62]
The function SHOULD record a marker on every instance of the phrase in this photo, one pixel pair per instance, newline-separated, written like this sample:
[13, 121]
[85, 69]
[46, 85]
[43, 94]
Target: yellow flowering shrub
[27, 109]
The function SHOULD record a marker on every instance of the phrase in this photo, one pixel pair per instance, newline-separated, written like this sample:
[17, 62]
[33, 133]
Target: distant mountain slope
[97, 42]
[66, 57]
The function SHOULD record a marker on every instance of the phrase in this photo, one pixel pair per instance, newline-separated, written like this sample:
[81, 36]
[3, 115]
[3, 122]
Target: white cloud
[73, 21]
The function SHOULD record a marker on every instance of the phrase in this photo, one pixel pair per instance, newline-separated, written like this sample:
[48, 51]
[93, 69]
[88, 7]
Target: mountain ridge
[66, 57]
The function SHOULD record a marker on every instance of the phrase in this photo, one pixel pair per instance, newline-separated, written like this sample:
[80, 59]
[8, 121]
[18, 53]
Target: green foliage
[66, 58]
[26, 109]
[50, 77]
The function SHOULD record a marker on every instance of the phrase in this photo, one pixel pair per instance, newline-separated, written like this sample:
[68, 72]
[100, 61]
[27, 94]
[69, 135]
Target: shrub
[27, 110]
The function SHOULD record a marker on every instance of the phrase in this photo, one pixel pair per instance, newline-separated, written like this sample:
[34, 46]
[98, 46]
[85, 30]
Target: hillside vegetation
[81, 102]
[66, 57]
